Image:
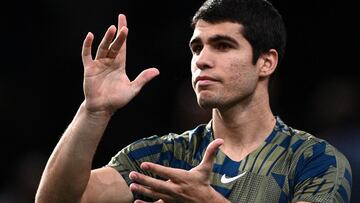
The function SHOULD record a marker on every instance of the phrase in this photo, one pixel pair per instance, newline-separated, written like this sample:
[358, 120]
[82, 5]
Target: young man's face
[222, 70]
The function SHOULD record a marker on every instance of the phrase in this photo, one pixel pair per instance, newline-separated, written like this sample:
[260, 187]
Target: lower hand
[181, 185]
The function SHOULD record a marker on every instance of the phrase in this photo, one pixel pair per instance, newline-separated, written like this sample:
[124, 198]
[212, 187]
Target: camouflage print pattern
[289, 166]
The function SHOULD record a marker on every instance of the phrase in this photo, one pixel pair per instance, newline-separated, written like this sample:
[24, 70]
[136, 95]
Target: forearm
[68, 169]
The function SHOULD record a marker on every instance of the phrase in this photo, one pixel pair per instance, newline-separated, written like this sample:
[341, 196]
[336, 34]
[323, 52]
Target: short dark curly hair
[263, 25]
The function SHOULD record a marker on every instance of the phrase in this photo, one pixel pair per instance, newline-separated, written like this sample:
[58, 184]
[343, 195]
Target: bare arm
[68, 176]
[68, 170]
[107, 185]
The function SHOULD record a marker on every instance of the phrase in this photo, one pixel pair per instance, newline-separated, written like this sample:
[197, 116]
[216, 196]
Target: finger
[86, 49]
[121, 22]
[118, 43]
[103, 48]
[147, 191]
[144, 77]
[174, 174]
[210, 152]
[141, 201]
[157, 185]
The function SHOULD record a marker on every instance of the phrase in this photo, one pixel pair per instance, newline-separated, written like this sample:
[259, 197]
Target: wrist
[95, 115]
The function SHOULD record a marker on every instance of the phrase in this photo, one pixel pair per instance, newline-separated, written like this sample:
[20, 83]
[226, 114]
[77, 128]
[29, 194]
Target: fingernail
[133, 186]
[132, 175]
[145, 166]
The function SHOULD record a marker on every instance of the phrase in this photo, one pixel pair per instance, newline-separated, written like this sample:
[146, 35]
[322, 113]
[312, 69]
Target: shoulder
[307, 145]
[184, 139]
[318, 164]
[312, 147]
[155, 148]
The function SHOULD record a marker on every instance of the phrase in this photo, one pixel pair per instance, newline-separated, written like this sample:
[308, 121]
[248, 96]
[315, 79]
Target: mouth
[204, 80]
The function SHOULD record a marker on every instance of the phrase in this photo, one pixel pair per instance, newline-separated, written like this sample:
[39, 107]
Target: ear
[268, 62]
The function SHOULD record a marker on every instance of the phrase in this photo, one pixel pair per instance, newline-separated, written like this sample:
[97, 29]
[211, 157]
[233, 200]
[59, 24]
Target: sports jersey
[289, 166]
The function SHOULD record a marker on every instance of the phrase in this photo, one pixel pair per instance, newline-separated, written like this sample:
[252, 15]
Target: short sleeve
[130, 158]
[323, 174]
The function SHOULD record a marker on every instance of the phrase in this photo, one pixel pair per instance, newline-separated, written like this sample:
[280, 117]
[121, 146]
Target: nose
[204, 59]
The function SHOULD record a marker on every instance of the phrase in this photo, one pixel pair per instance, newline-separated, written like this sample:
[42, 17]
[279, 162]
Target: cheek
[193, 63]
[194, 70]
[242, 76]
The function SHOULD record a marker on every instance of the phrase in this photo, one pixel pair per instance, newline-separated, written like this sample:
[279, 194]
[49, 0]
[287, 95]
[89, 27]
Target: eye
[223, 46]
[196, 48]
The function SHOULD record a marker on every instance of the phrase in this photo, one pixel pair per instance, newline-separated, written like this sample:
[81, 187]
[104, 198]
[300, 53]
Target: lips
[204, 78]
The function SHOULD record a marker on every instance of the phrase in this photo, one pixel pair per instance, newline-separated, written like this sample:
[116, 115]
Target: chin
[207, 104]
[207, 100]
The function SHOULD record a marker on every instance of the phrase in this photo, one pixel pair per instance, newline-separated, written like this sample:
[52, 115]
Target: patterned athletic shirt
[289, 166]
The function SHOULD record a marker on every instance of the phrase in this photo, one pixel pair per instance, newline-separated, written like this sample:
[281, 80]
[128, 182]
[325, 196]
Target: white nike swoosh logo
[225, 180]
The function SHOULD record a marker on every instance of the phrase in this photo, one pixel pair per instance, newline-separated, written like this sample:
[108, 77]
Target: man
[244, 154]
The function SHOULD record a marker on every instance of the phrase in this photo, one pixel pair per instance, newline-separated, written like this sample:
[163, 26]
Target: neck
[243, 128]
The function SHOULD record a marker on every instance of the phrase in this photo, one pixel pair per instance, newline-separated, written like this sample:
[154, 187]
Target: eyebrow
[215, 38]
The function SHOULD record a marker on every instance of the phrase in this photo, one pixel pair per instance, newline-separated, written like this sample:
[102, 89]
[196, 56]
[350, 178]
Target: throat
[241, 140]
[238, 153]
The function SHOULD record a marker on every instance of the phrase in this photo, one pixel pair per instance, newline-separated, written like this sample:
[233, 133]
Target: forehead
[204, 30]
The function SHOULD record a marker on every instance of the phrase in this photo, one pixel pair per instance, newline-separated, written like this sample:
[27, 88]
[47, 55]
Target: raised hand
[181, 185]
[106, 85]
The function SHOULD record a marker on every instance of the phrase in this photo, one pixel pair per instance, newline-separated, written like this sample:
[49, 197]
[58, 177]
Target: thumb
[144, 77]
[208, 159]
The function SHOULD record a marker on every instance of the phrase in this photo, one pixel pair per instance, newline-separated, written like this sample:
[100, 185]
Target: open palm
[106, 85]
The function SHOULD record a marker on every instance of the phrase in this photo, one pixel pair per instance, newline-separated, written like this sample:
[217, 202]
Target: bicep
[107, 185]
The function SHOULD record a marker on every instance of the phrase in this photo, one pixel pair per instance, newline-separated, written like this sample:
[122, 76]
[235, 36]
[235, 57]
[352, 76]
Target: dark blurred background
[316, 88]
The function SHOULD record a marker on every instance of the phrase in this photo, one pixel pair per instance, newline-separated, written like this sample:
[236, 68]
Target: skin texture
[225, 64]
[182, 185]
[224, 79]
[67, 176]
